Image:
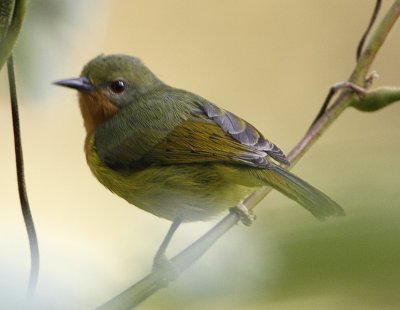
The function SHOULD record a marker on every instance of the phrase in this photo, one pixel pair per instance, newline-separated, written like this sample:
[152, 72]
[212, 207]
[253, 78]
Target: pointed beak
[80, 84]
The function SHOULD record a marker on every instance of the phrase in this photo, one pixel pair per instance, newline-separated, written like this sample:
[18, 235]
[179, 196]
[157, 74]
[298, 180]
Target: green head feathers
[120, 77]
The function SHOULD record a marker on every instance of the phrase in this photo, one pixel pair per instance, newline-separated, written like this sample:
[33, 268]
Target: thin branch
[371, 23]
[376, 41]
[332, 91]
[23, 197]
[367, 82]
[156, 280]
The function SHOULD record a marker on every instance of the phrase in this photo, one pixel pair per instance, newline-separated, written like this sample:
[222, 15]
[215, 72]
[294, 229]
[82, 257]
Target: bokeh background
[270, 62]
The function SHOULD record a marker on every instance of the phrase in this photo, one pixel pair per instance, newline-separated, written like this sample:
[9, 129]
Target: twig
[150, 284]
[154, 281]
[33, 243]
[371, 23]
[379, 36]
[332, 91]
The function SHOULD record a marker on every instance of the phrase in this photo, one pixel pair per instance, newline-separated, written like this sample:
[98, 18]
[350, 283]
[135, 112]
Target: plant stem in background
[23, 197]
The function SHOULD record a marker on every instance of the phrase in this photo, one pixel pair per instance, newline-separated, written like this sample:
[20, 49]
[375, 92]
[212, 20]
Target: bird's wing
[199, 132]
[212, 134]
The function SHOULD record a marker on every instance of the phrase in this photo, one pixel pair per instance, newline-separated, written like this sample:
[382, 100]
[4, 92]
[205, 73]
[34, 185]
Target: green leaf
[12, 14]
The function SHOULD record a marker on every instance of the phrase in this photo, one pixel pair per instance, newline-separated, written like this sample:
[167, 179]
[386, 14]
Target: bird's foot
[168, 270]
[245, 215]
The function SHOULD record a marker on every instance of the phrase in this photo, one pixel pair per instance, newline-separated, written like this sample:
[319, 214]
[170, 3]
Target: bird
[175, 154]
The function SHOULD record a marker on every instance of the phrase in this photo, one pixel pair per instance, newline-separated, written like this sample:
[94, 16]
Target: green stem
[376, 41]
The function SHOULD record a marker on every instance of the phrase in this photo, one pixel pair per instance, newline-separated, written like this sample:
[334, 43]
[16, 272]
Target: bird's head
[108, 83]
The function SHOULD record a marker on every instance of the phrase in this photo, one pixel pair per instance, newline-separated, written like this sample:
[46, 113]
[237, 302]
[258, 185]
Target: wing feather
[189, 130]
[243, 132]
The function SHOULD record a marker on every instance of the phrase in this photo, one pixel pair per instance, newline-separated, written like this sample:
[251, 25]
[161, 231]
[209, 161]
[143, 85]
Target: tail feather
[319, 204]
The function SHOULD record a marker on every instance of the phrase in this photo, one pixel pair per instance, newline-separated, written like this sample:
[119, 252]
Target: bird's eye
[118, 86]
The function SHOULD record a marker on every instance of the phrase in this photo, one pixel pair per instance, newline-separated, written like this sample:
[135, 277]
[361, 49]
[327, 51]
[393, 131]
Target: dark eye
[118, 86]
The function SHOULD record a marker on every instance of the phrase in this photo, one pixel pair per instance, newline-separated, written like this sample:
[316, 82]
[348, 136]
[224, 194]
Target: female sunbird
[173, 153]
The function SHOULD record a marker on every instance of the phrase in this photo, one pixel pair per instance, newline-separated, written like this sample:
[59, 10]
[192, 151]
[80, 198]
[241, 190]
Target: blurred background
[271, 62]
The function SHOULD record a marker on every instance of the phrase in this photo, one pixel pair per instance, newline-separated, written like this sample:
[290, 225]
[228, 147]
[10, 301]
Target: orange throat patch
[95, 109]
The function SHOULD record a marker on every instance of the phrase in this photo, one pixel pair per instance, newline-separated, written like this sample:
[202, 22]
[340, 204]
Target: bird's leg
[244, 214]
[160, 259]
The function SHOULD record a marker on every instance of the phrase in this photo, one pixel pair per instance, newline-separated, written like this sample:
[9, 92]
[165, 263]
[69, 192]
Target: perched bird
[173, 153]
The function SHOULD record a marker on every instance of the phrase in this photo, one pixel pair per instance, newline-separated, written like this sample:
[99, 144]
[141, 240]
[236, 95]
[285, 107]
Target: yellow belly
[193, 192]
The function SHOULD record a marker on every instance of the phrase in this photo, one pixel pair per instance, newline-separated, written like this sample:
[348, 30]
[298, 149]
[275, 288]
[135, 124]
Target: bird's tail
[319, 204]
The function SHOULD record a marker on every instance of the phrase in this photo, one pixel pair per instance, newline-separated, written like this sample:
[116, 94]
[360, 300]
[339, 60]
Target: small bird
[173, 153]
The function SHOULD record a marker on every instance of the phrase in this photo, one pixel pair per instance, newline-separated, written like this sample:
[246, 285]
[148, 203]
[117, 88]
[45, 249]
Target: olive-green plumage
[173, 153]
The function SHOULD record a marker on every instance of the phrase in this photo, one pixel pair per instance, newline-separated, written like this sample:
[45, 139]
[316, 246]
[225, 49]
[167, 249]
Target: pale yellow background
[270, 62]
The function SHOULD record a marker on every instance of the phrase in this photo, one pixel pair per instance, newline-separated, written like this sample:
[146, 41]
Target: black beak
[81, 84]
